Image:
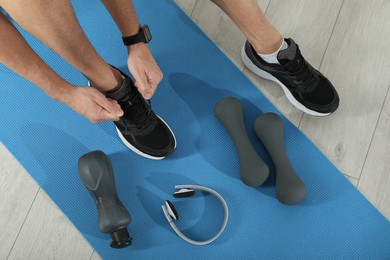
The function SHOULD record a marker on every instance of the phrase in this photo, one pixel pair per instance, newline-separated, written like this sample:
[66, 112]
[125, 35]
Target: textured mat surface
[334, 221]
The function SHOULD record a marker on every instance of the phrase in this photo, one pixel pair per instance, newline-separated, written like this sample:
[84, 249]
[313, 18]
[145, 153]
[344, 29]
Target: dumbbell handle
[253, 170]
[270, 130]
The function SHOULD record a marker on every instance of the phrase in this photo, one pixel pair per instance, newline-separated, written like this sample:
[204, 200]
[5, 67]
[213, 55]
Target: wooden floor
[347, 40]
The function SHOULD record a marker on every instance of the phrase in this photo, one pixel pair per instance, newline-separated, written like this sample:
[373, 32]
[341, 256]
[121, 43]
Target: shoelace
[304, 74]
[138, 112]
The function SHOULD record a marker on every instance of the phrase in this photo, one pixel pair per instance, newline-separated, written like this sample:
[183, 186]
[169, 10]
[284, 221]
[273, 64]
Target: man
[113, 96]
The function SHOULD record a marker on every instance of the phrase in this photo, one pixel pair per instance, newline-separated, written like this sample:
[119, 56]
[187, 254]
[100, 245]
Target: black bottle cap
[120, 238]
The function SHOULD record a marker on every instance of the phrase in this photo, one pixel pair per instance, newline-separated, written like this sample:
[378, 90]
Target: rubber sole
[259, 72]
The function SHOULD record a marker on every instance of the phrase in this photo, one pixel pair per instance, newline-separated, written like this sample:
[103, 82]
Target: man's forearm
[124, 15]
[17, 55]
[141, 64]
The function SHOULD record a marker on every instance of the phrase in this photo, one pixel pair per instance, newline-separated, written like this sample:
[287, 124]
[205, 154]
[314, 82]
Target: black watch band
[143, 35]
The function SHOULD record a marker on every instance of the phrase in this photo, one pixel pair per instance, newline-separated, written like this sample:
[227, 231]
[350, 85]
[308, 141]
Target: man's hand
[92, 104]
[144, 69]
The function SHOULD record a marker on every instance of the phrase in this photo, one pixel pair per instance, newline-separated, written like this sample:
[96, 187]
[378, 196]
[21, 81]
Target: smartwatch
[143, 35]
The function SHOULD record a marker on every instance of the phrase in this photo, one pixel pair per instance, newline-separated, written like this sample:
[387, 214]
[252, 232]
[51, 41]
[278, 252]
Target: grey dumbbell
[270, 130]
[253, 170]
[95, 171]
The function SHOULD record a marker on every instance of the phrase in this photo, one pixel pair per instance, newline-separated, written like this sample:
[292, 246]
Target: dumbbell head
[269, 129]
[253, 170]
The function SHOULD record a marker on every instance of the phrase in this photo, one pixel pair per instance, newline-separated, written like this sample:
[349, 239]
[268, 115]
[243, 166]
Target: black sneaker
[140, 129]
[305, 87]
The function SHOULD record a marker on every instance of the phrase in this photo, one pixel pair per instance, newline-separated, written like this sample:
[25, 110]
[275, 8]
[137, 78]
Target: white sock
[273, 57]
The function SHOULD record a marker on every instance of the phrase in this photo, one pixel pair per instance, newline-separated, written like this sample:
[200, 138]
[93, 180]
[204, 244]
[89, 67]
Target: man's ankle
[107, 82]
[273, 57]
[267, 47]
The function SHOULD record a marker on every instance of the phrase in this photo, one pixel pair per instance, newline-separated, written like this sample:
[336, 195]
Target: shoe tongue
[121, 91]
[287, 55]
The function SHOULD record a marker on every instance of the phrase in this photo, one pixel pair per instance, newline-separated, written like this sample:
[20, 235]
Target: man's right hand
[92, 104]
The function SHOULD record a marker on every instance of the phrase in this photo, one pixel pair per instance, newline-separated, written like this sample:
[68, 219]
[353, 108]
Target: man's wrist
[137, 46]
[62, 93]
[132, 29]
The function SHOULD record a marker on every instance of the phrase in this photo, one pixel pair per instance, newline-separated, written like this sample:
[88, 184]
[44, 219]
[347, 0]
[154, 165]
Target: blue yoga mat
[334, 221]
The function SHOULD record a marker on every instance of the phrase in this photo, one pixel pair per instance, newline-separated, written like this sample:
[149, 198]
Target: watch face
[148, 35]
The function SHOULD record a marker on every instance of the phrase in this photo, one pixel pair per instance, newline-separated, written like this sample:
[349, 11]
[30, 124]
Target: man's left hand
[143, 67]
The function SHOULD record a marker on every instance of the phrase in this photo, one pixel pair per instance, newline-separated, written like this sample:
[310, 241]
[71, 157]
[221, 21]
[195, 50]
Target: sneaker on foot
[305, 87]
[140, 128]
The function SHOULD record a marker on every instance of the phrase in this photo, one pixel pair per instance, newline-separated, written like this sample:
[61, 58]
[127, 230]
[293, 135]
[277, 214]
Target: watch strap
[143, 35]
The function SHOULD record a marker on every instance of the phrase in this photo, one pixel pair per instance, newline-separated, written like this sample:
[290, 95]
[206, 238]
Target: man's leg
[249, 17]
[55, 24]
[269, 56]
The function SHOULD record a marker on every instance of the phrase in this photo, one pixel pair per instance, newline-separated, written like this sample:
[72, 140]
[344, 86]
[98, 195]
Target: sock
[273, 57]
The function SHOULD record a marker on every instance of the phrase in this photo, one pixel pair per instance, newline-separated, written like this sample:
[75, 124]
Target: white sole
[259, 72]
[128, 145]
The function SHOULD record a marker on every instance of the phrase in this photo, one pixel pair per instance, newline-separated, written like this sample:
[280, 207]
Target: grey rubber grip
[96, 173]
[253, 170]
[270, 130]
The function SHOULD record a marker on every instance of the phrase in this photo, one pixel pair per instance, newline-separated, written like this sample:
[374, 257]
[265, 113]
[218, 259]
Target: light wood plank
[310, 24]
[358, 65]
[17, 193]
[48, 234]
[95, 256]
[186, 5]
[353, 180]
[374, 182]
[221, 29]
